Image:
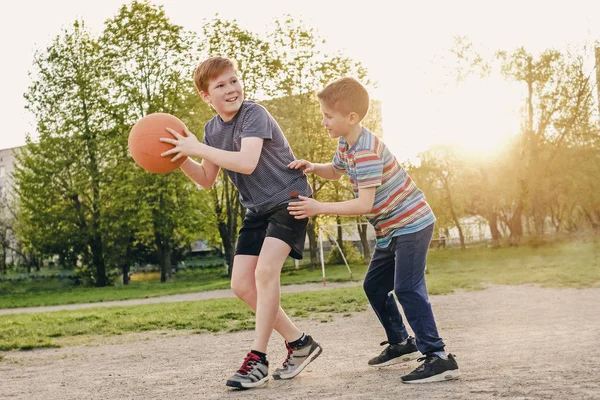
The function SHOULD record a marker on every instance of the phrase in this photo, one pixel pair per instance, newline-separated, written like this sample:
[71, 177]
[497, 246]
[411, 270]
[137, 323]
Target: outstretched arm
[308, 207]
[243, 161]
[325, 171]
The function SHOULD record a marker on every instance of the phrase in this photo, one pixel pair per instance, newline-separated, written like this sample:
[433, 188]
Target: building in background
[7, 162]
[8, 240]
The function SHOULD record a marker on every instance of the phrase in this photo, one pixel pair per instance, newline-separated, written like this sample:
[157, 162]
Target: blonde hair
[346, 95]
[211, 68]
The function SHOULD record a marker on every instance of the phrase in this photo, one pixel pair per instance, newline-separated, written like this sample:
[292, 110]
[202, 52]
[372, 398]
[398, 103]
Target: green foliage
[536, 183]
[59, 179]
[81, 195]
[55, 329]
[351, 254]
[441, 175]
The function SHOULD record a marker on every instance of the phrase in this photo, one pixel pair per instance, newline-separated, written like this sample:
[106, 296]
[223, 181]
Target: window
[1, 171]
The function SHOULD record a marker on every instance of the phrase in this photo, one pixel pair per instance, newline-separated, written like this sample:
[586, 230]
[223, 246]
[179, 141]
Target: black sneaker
[253, 372]
[396, 353]
[433, 369]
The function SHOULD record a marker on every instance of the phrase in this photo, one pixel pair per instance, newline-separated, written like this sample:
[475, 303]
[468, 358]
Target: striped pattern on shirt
[400, 207]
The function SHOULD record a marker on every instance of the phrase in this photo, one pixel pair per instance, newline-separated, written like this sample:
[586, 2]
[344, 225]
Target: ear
[205, 96]
[353, 118]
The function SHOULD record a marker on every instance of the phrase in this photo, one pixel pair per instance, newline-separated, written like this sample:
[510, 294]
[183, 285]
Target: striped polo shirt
[400, 207]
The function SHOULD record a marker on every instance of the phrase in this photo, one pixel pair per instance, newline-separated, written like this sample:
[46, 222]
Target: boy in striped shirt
[403, 223]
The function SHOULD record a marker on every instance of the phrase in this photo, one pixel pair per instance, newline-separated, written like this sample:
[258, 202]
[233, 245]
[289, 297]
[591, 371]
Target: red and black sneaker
[253, 372]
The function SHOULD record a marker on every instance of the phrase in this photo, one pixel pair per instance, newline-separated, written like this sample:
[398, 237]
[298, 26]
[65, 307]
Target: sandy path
[516, 342]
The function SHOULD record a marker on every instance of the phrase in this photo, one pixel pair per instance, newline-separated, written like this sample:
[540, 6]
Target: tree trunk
[362, 232]
[538, 218]
[165, 263]
[228, 209]
[597, 54]
[340, 238]
[496, 235]
[459, 227]
[590, 218]
[516, 226]
[453, 214]
[4, 249]
[312, 242]
[96, 244]
[98, 261]
[125, 271]
[228, 249]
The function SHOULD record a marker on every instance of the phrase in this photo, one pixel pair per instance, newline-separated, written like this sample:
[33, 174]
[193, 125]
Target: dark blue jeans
[401, 268]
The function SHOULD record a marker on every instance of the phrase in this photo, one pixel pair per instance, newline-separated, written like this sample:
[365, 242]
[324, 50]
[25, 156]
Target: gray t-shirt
[272, 181]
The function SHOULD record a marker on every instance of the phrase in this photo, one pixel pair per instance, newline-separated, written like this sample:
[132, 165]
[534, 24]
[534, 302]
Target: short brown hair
[346, 95]
[210, 69]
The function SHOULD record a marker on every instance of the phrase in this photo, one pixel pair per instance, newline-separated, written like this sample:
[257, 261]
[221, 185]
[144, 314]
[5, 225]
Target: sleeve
[205, 138]
[257, 123]
[337, 163]
[369, 169]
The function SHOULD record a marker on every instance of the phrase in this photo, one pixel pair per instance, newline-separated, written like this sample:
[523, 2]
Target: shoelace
[250, 361]
[288, 359]
[428, 358]
[386, 349]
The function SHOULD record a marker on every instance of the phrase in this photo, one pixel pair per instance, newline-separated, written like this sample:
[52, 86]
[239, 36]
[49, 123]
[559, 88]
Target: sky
[403, 45]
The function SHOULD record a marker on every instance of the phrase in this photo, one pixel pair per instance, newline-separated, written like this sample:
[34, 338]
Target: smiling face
[336, 123]
[225, 94]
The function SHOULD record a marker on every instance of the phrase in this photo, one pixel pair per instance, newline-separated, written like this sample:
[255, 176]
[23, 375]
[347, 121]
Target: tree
[482, 177]
[442, 165]
[559, 121]
[149, 72]
[558, 109]
[6, 229]
[59, 178]
[302, 68]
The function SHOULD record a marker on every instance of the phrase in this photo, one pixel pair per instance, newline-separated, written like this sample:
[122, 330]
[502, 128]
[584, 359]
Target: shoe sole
[444, 376]
[311, 357]
[398, 360]
[249, 385]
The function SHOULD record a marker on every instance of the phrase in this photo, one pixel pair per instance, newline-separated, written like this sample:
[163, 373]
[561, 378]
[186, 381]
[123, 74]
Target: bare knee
[265, 277]
[243, 289]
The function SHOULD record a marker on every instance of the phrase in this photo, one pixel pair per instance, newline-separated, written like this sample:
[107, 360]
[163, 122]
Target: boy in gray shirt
[245, 140]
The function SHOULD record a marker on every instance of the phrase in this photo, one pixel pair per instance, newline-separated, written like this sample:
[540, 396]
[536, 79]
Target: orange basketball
[145, 146]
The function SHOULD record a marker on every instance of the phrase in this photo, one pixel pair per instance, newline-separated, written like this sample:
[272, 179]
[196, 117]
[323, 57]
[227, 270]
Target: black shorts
[277, 223]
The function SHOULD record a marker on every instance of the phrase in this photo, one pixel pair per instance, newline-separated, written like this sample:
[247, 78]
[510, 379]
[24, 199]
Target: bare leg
[243, 284]
[268, 270]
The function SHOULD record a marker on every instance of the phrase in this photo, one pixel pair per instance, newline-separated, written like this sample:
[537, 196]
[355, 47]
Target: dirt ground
[515, 342]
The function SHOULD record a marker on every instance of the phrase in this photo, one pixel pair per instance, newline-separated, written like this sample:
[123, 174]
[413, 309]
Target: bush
[202, 262]
[351, 253]
[42, 275]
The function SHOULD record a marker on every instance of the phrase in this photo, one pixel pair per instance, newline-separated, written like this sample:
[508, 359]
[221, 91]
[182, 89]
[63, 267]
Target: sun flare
[477, 115]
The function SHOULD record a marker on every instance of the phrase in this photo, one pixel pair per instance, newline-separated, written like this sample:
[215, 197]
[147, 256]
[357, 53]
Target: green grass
[29, 331]
[569, 265]
[573, 265]
[44, 293]
[30, 294]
